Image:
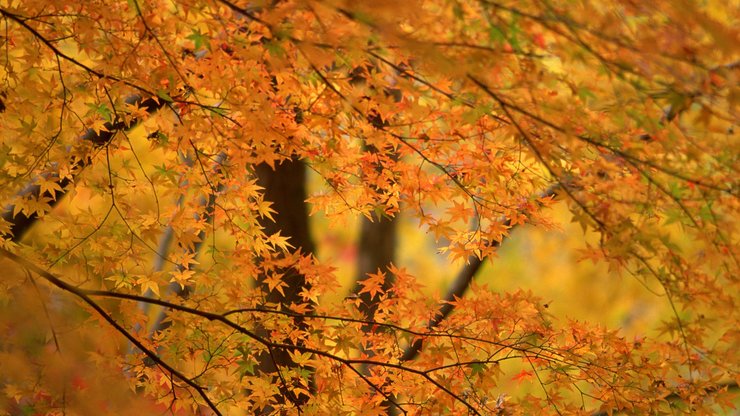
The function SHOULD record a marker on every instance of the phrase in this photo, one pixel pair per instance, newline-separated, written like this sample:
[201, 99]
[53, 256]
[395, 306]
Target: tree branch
[85, 296]
[21, 222]
[459, 286]
[350, 363]
[21, 21]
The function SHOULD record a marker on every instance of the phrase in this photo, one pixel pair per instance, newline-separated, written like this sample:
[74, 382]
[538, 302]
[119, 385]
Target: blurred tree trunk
[285, 187]
[376, 250]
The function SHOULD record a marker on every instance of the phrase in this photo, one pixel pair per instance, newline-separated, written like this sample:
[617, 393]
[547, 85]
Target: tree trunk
[285, 187]
[376, 251]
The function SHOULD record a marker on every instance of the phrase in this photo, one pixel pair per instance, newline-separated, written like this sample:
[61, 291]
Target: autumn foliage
[159, 246]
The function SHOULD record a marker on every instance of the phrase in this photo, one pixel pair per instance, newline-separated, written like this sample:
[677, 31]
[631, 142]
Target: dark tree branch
[85, 297]
[21, 21]
[351, 364]
[21, 222]
[378, 237]
[272, 346]
[458, 288]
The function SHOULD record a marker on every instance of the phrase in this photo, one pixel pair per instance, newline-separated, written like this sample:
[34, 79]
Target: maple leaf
[147, 284]
[373, 284]
[278, 241]
[460, 211]
[467, 119]
[99, 125]
[182, 277]
[275, 282]
[523, 375]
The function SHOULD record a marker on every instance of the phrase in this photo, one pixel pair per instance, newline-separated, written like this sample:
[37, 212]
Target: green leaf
[477, 113]
[458, 11]
[496, 35]
[102, 110]
[585, 94]
[514, 34]
[199, 39]
[162, 138]
[163, 95]
[672, 216]
[218, 110]
[705, 213]
[477, 368]
[27, 127]
[275, 49]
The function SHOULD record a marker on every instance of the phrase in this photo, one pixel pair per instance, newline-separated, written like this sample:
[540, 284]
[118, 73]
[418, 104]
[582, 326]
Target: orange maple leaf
[522, 376]
[373, 284]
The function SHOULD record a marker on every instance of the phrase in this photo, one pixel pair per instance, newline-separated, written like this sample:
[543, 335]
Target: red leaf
[522, 376]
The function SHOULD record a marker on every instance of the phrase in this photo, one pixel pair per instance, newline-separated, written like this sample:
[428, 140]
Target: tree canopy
[159, 239]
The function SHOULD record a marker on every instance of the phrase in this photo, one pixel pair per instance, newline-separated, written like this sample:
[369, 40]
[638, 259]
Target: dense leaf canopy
[157, 249]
